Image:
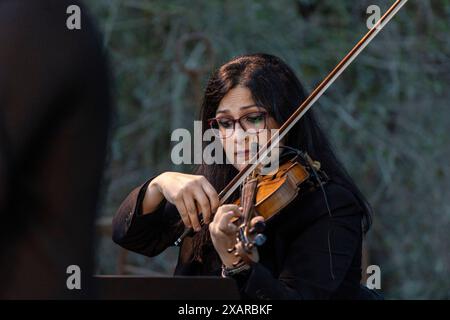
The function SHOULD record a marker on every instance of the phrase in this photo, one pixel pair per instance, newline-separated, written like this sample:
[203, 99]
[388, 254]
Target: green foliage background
[387, 115]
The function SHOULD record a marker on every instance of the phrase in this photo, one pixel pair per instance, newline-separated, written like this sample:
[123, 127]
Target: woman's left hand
[223, 232]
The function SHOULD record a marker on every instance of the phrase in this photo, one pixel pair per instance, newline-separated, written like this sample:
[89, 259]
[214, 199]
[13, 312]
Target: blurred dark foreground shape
[54, 120]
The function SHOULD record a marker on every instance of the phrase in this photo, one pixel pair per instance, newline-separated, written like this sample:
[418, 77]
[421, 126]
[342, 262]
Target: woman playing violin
[313, 245]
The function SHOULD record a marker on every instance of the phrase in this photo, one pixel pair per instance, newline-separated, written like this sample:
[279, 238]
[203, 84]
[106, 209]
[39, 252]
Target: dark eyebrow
[241, 108]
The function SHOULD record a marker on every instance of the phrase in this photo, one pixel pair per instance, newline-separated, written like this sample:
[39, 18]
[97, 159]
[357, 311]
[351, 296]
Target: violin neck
[248, 197]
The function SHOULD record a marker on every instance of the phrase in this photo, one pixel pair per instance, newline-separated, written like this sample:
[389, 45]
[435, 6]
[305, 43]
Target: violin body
[266, 195]
[276, 190]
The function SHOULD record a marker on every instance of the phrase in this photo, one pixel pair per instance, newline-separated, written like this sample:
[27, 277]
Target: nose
[238, 138]
[239, 133]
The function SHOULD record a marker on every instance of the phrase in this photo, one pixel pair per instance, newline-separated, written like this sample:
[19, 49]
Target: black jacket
[307, 255]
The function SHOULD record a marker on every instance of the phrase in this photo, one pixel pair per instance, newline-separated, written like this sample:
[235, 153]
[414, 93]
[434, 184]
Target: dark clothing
[54, 119]
[295, 260]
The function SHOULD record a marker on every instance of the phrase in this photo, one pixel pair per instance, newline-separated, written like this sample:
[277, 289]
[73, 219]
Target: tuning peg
[230, 250]
[260, 239]
[258, 227]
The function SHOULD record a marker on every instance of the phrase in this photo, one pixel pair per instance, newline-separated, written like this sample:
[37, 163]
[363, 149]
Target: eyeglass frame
[209, 121]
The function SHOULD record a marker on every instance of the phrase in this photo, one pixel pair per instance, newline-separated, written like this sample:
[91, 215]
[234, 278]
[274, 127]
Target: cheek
[272, 123]
[265, 135]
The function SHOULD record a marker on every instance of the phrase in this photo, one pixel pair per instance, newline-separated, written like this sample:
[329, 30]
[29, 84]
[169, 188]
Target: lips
[240, 153]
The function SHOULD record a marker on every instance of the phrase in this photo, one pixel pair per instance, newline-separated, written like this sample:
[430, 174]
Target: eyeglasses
[252, 123]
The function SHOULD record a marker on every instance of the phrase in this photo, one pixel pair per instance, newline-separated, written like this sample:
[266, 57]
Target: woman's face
[238, 104]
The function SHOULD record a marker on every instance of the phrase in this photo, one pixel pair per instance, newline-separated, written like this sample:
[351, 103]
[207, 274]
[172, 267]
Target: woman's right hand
[191, 194]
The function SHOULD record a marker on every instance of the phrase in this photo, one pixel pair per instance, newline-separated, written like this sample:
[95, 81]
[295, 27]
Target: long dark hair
[275, 87]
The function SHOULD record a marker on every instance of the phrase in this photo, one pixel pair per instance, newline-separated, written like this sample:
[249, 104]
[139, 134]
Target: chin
[240, 166]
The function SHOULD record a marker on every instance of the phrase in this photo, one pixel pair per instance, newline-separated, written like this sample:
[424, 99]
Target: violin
[267, 195]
